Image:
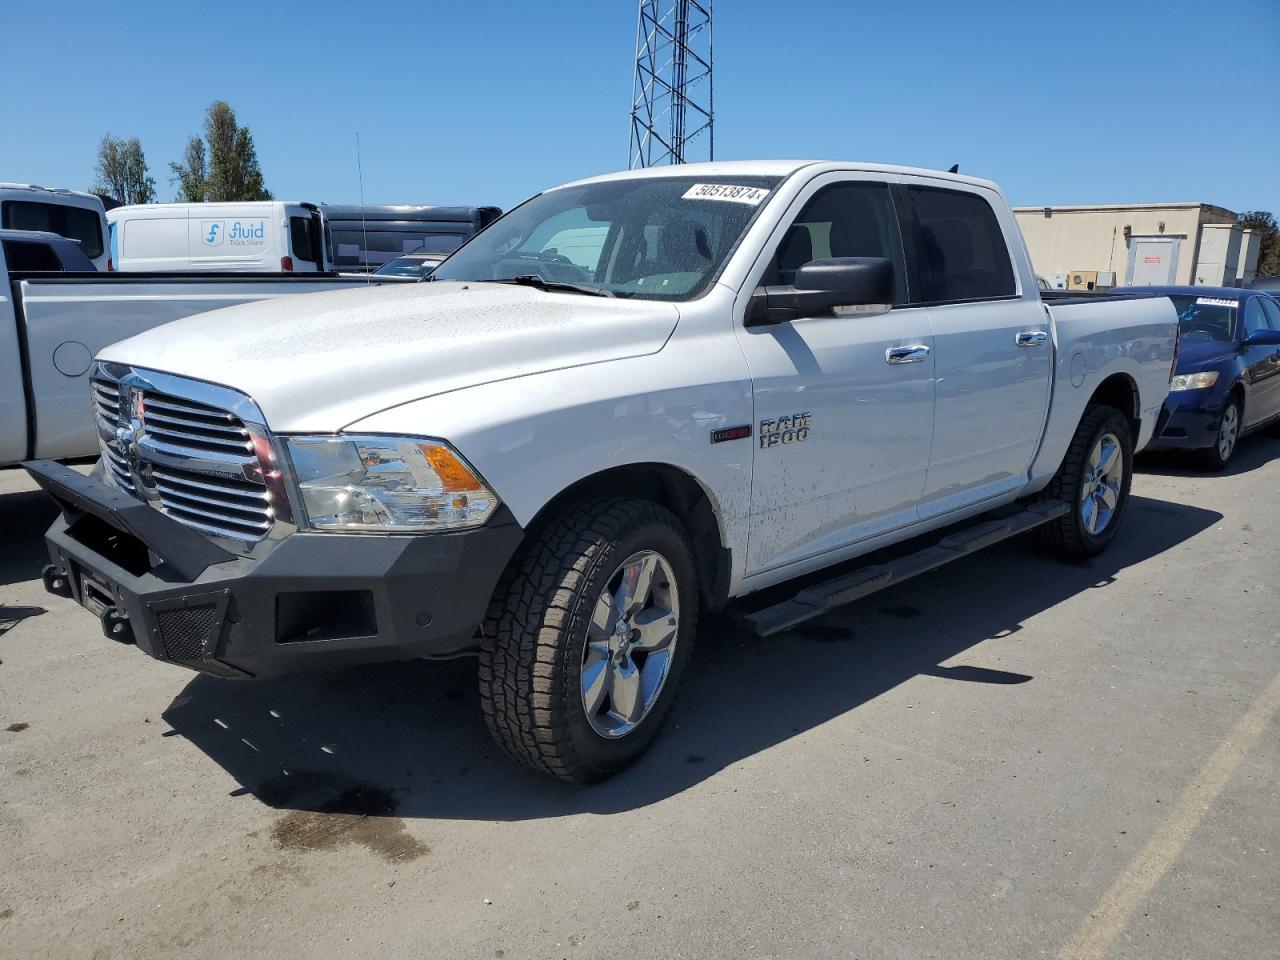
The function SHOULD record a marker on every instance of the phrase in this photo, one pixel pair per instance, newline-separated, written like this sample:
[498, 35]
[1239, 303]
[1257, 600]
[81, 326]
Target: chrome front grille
[187, 448]
[106, 412]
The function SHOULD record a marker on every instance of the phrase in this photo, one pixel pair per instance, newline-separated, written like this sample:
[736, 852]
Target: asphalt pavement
[1013, 757]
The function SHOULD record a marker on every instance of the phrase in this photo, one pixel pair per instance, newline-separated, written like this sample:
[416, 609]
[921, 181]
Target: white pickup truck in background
[52, 324]
[761, 371]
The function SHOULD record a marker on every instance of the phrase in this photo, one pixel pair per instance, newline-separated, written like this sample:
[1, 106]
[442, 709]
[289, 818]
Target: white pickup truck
[51, 325]
[743, 374]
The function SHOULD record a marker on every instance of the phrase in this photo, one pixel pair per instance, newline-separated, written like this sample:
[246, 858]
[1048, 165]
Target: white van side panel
[251, 236]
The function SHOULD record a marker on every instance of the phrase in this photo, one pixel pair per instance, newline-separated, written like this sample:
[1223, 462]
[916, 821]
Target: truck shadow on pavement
[411, 734]
[24, 517]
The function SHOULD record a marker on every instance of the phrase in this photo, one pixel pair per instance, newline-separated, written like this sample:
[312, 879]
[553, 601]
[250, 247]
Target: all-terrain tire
[1069, 536]
[532, 647]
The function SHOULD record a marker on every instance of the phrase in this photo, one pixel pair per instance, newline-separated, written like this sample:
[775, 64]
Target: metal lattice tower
[671, 95]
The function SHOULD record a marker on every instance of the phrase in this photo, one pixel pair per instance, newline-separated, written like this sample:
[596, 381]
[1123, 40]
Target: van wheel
[1094, 480]
[1224, 441]
[587, 637]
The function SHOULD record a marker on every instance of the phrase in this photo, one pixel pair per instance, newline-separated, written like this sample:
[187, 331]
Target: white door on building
[1152, 261]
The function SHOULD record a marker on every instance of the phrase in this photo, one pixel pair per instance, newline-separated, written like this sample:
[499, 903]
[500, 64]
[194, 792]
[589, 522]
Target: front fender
[534, 437]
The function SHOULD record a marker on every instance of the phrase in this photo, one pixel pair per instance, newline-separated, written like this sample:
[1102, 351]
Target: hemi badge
[731, 433]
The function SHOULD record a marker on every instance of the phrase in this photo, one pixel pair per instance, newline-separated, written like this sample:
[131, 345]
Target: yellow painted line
[1094, 938]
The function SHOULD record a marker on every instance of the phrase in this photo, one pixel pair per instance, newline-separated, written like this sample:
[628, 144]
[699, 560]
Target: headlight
[387, 484]
[1193, 381]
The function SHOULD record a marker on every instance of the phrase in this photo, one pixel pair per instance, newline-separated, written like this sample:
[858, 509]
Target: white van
[68, 213]
[260, 236]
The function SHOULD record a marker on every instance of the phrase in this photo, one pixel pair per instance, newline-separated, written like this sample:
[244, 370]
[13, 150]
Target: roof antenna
[363, 229]
[954, 168]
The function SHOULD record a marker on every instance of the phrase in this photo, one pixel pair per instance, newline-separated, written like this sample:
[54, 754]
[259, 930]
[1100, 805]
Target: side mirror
[1263, 338]
[840, 286]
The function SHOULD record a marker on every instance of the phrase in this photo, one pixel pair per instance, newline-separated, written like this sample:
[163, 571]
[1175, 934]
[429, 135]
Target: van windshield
[659, 238]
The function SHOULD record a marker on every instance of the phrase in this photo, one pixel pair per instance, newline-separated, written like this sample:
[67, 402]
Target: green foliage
[223, 166]
[192, 173]
[1264, 224]
[122, 171]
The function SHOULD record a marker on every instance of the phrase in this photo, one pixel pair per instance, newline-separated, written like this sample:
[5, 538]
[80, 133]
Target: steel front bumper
[309, 599]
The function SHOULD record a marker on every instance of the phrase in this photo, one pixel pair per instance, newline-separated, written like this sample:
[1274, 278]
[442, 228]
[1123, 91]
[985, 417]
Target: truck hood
[318, 362]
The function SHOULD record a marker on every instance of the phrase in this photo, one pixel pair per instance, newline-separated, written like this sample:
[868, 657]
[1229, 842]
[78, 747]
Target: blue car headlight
[1193, 381]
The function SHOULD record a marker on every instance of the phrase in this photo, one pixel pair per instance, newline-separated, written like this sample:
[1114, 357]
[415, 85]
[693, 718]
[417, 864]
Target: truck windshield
[1205, 318]
[659, 238]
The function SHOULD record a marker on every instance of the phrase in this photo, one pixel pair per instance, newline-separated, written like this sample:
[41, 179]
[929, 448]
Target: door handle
[1031, 338]
[909, 354]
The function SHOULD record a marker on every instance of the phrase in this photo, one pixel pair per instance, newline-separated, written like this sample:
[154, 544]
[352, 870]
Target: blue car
[1227, 382]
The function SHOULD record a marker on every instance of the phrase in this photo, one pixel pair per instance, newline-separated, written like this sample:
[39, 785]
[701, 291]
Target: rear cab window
[957, 249]
[29, 255]
[75, 223]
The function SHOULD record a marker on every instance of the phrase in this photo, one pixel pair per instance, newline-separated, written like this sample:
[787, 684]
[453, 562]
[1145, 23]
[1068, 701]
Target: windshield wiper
[541, 283]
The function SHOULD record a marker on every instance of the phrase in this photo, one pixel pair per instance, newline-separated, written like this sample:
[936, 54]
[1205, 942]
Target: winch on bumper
[309, 599]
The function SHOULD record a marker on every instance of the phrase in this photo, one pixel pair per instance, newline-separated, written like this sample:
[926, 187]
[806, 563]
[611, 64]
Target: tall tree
[222, 166]
[191, 174]
[1268, 240]
[122, 171]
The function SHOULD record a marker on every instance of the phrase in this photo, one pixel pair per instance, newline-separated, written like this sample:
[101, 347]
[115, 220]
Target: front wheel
[1094, 480]
[587, 638]
[1224, 442]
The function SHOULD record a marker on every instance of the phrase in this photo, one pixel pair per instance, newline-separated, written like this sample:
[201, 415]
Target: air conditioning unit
[1106, 279]
[1082, 279]
[1058, 281]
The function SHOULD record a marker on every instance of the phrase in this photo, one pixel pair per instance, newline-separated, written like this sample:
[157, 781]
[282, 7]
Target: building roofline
[1069, 207]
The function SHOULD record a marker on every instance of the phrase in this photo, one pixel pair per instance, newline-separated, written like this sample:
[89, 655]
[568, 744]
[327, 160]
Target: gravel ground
[1010, 758]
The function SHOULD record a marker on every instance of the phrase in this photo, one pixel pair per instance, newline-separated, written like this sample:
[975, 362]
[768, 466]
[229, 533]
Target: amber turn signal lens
[453, 474]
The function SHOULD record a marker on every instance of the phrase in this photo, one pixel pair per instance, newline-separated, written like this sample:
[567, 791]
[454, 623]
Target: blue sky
[487, 101]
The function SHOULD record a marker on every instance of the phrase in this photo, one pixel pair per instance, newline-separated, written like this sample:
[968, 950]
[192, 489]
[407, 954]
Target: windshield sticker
[1214, 302]
[726, 191]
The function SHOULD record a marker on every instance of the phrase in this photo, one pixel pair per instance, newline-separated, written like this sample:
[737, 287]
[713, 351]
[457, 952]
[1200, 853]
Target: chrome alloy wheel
[1230, 431]
[1100, 489]
[630, 642]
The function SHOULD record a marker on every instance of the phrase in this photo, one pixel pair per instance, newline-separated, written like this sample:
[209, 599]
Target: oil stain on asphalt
[362, 815]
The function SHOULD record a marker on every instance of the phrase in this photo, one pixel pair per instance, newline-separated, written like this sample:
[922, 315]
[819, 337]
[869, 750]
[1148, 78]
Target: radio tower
[671, 94]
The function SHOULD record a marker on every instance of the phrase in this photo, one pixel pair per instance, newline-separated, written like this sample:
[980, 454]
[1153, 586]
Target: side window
[958, 249]
[1254, 318]
[1272, 310]
[300, 239]
[842, 220]
[25, 255]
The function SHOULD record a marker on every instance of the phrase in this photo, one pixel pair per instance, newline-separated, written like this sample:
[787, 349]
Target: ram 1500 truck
[52, 324]
[631, 399]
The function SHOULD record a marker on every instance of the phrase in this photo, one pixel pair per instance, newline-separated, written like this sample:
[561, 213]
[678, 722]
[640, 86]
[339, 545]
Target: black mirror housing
[823, 287]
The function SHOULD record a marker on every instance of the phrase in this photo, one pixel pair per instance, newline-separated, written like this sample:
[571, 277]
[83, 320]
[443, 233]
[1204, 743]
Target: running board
[821, 598]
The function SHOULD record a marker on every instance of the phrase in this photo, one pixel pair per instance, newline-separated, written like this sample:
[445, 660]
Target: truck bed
[61, 320]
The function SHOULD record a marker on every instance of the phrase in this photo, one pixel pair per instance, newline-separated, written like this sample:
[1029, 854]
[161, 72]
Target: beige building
[1140, 244]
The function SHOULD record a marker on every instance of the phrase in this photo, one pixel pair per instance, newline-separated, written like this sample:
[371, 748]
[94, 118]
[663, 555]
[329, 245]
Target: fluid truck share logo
[235, 233]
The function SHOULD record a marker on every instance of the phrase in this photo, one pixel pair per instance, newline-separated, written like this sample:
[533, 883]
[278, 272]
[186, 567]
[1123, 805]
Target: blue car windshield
[1206, 318]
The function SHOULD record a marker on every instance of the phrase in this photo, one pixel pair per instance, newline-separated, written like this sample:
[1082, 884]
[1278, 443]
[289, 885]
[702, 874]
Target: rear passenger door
[993, 350]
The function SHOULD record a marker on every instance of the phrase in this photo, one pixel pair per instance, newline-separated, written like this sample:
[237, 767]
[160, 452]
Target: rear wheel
[588, 636]
[1226, 438]
[1094, 480]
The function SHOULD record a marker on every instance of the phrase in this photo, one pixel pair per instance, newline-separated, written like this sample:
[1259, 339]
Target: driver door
[843, 405]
